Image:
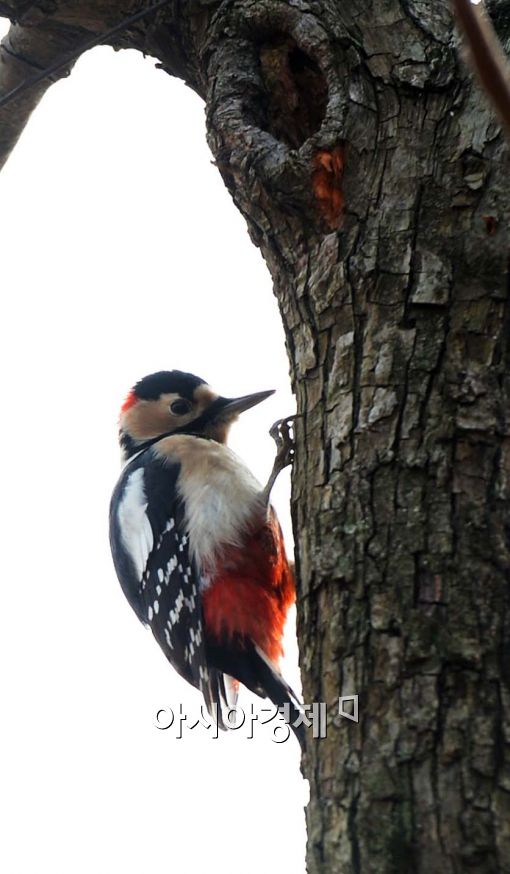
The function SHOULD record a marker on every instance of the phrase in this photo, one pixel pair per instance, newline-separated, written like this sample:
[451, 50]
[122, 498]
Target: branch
[37, 52]
[487, 56]
[23, 52]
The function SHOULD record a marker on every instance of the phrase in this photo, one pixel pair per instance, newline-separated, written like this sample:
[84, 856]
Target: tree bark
[375, 180]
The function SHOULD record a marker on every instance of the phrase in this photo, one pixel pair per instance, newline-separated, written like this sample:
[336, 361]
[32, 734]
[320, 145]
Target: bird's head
[173, 402]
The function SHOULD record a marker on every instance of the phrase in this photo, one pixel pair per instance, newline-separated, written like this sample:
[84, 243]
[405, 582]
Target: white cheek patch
[134, 525]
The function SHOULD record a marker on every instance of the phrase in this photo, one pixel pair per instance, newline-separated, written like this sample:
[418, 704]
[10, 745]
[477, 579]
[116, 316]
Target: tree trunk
[376, 183]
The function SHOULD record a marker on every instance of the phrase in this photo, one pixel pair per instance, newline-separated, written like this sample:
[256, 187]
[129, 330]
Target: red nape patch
[129, 402]
[327, 185]
[251, 592]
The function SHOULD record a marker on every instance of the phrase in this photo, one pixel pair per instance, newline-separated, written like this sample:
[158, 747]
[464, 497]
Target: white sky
[121, 254]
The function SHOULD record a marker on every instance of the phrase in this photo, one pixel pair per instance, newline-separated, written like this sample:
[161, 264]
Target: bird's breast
[222, 499]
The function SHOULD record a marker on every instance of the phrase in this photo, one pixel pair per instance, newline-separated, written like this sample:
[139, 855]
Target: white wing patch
[134, 525]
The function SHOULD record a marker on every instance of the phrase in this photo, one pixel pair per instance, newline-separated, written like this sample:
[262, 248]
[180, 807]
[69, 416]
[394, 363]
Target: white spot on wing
[135, 528]
[171, 565]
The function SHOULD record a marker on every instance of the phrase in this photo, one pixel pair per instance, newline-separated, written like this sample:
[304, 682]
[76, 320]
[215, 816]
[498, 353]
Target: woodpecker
[196, 544]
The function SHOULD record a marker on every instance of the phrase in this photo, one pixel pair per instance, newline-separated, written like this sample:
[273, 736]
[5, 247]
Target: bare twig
[487, 56]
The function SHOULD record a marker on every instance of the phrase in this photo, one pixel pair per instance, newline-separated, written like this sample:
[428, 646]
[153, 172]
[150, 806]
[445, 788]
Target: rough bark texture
[397, 320]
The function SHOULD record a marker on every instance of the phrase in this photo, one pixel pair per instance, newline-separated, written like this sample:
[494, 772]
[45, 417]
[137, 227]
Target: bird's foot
[282, 433]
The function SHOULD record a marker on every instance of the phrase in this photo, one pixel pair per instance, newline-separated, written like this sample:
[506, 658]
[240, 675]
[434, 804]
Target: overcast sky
[121, 254]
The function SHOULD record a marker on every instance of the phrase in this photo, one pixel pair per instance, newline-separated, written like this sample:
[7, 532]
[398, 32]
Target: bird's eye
[180, 407]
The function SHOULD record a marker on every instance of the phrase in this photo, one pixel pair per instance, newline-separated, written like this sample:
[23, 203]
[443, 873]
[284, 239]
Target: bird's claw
[282, 433]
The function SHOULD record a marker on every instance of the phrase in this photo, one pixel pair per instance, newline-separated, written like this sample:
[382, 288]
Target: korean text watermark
[281, 720]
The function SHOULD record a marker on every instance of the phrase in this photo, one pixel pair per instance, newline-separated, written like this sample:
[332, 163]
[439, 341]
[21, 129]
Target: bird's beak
[233, 406]
[223, 411]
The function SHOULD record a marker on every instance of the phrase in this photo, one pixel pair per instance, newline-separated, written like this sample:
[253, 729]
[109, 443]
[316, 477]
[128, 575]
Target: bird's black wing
[150, 548]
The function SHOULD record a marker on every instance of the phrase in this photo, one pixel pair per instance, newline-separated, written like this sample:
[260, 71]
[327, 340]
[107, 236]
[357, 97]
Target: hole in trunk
[296, 92]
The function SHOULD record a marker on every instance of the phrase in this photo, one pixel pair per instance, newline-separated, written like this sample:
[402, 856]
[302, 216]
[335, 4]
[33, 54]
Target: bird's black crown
[167, 382]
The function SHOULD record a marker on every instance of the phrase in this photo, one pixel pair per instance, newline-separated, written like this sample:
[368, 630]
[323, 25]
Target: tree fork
[375, 181]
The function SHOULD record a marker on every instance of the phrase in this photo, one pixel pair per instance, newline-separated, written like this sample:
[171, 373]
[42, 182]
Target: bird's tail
[272, 685]
[248, 664]
[220, 695]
